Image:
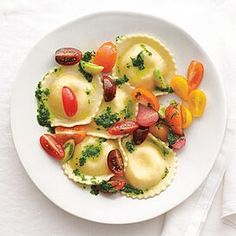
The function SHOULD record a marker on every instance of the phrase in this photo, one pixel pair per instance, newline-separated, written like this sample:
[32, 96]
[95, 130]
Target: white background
[23, 209]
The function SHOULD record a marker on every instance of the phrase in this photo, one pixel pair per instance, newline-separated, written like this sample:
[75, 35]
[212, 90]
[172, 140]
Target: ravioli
[89, 95]
[151, 166]
[89, 162]
[139, 56]
[122, 106]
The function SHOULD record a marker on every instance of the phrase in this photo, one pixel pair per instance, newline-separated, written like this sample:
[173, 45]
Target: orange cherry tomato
[180, 86]
[195, 74]
[173, 118]
[145, 97]
[197, 102]
[186, 116]
[106, 56]
[69, 101]
[160, 131]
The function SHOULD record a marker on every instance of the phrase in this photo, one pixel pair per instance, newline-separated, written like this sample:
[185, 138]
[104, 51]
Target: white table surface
[23, 209]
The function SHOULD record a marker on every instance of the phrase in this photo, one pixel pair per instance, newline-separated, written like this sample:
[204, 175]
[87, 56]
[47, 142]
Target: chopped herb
[51, 130]
[89, 101]
[145, 49]
[104, 187]
[88, 91]
[88, 56]
[107, 118]
[138, 61]
[41, 94]
[90, 150]
[55, 70]
[168, 89]
[128, 65]
[129, 145]
[165, 173]
[172, 138]
[78, 173]
[121, 81]
[130, 189]
[127, 111]
[119, 37]
[94, 190]
[102, 140]
[87, 76]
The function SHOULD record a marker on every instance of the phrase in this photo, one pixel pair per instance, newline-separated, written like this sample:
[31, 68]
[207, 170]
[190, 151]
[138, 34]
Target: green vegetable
[165, 173]
[78, 173]
[167, 90]
[145, 49]
[138, 61]
[159, 80]
[102, 140]
[172, 138]
[107, 118]
[121, 81]
[131, 190]
[94, 190]
[91, 68]
[127, 112]
[104, 187]
[69, 148]
[88, 56]
[87, 76]
[161, 112]
[129, 145]
[90, 150]
[41, 94]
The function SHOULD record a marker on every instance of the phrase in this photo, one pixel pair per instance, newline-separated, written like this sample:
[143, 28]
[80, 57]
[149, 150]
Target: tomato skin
[195, 74]
[123, 127]
[186, 116]
[173, 118]
[68, 56]
[145, 97]
[117, 183]
[51, 146]
[180, 143]
[115, 162]
[70, 103]
[140, 134]
[180, 86]
[109, 88]
[106, 56]
[197, 102]
[146, 116]
[160, 131]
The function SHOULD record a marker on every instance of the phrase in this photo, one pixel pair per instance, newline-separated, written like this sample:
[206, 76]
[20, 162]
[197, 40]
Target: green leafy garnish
[168, 89]
[138, 61]
[145, 49]
[102, 140]
[127, 111]
[121, 81]
[87, 76]
[78, 173]
[129, 145]
[94, 190]
[41, 94]
[90, 150]
[119, 37]
[88, 56]
[104, 187]
[172, 138]
[165, 173]
[132, 190]
[107, 118]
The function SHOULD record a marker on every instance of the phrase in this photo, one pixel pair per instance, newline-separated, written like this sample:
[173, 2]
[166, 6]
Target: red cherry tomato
[123, 127]
[68, 56]
[115, 162]
[195, 74]
[51, 146]
[146, 116]
[179, 143]
[173, 118]
[109, 88]
[106, 56]
[69, 101]
[160, 131]
[117, 183]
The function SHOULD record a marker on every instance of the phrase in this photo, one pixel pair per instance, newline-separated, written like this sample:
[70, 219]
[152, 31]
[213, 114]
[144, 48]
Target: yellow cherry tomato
[197, 102]
[186, 116]
[180, 86]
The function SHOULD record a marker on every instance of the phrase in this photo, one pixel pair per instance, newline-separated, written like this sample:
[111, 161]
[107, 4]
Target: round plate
[204, 137]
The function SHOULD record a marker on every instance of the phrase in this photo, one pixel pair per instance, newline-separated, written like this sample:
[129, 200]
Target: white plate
[204, 137]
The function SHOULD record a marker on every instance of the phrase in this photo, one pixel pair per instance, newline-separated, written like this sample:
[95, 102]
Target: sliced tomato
[160, 131]
[106, 56]
[145, 97]
[180, 86]
[186, 116]
[69, 101]
[123, 127]
[173, 118]
[51, 146]
[117, 183]
[197, 102]
[63, 134]
[115, 162]
[180, 143]
[195, 74]
[146, 116]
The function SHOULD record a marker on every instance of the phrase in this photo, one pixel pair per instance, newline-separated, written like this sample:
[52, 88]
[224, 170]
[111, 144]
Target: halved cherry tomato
[106, 56]
[63, 134]
[109, 88]
[117, 183]
[68, 56]
[51, 146]
[160, 131]
[195, 74]
[197, 102]
[123, 127]
[179, 143]
[139, 135]
[145, 97]
[186, 116]
[173, 118]
[146, 116]
[115, 162]
[69, 101]
[180, 86]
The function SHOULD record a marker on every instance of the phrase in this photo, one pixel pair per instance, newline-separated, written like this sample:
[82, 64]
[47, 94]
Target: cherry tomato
[197, 102]
[195, 74]
[160, 131]
[186, 116]
[115, 162]
[68, 56]
[145, 97]
[123, 127]
[146, 116]
[63, 134]
[117, 183]
[180, 143]
[173, 118]
[69, 101]
[180, 86]
[109, 88]
[140, 134]
[106, 56]
[51, 146]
